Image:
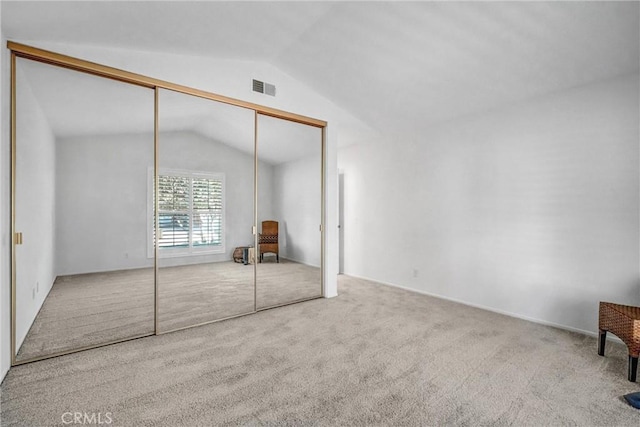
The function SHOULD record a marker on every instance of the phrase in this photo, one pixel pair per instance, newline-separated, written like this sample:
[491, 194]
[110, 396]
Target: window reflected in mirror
[205, 210]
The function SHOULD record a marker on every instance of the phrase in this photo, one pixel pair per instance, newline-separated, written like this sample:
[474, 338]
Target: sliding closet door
[83, 146]
[205, 211]
[289, 212]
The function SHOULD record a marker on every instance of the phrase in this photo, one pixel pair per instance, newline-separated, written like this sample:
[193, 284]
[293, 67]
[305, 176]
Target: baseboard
[324, 292]
[3, 375]
[299, 262]
[20, 341]
[491, 309]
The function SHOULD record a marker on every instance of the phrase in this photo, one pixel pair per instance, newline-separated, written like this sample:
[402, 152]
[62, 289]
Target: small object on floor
[238, 253]
[633, 399]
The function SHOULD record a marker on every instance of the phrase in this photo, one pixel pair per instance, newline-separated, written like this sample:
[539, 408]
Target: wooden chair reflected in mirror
[268, 239]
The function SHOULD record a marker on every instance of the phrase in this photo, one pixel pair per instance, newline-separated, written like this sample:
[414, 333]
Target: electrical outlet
[37, 286]
[415, 273]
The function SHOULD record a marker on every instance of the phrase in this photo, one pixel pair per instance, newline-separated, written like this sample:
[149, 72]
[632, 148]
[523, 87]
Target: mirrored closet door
[205, 211]
[289, 212]
[142, 207]
[83, 146]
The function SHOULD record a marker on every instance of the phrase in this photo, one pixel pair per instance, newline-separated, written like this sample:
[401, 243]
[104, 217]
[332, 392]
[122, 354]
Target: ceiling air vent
[262, 87]
[258, 86]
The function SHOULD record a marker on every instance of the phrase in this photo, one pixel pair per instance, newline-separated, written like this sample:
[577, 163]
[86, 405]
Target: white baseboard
[3, 374]
[494, 310]
[324, 292]
[299, 262]
[20, 340]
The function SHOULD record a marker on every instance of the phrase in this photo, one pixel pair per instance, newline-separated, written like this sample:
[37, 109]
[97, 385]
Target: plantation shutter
[173, 212]
[190, 211]
[207, 212]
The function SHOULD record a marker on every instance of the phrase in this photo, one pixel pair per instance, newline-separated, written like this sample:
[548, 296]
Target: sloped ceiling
[396, 65]
[77, 105]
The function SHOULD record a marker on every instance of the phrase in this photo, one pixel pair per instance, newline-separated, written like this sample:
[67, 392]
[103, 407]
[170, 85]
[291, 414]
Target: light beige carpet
[375, 355]
[96, 308]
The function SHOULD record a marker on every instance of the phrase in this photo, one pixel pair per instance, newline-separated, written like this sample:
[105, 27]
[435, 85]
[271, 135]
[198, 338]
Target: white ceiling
[78, 104]
[279, 141]
[81, 104]
[398, 66]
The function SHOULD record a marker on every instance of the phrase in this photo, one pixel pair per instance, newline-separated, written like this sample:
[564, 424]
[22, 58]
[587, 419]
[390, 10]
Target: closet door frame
[19, 50]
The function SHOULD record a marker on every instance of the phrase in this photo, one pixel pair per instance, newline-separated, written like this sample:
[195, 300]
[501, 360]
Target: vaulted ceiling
[396, 65]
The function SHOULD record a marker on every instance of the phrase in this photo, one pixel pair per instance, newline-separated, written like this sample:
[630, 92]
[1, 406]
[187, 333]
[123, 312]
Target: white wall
[530, 210]
[103, 180]
[5, 179]
[297, 206]
[101, 204]
[35, 208]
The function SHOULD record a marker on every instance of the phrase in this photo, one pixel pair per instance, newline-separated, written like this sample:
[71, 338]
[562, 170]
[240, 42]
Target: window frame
[189, 250]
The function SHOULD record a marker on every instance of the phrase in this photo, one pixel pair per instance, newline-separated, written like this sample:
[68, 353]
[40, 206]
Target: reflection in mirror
[205, 211]
[289, 212]
[83, 145]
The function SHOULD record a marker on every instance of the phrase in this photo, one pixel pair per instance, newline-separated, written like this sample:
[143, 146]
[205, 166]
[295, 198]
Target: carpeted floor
[90, 309]
[375, 355]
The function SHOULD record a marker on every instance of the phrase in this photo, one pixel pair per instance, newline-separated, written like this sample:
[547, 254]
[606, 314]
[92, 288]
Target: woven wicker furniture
[624, 322]
[268, 239]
